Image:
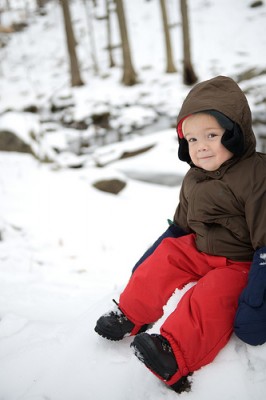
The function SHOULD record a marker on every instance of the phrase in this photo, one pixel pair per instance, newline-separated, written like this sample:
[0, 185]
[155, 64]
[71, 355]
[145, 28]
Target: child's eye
[191, 140]
[212, 135]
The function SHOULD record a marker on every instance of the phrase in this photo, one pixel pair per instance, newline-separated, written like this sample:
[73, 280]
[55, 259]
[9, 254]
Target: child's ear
[183, 153]
[233, 140]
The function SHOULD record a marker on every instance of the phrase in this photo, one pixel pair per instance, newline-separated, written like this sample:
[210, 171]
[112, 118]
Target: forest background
[89, 175]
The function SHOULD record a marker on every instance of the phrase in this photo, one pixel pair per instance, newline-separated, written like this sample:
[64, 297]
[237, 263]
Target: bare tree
[41, 3]
[40, 6]
[71, 45]
[91, 37]
[109, 34]
[189, 76]
[129, 75]
[8, 5]
[170, 67]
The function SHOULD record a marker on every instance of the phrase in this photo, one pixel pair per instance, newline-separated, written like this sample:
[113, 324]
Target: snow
[263, 257]
[67, 249]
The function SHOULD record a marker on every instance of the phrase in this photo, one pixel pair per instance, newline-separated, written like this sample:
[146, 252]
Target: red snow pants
[202, 322]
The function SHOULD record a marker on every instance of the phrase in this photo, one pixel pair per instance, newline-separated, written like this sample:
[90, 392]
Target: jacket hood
[224, 95]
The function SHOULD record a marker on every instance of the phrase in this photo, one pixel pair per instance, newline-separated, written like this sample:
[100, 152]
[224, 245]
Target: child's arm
[250, 321]
[173, 231]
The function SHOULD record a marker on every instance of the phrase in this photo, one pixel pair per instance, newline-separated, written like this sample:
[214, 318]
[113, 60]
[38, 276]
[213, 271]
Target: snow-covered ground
[67, 249]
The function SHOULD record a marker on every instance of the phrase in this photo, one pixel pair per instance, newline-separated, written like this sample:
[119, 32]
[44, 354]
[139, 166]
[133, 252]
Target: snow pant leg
[174, 263]
[202, 322]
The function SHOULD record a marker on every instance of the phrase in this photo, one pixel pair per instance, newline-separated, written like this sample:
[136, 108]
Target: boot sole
[108, 332]
[107, 335]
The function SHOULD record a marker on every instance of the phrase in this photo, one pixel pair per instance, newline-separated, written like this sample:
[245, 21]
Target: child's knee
[250, 324]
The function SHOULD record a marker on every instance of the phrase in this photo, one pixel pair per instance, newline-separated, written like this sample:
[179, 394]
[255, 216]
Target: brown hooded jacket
[226, 208]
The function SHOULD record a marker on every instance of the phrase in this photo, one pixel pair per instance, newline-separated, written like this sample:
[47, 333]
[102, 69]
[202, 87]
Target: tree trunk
[41, 3]
[41, 6]
[71, 45]
[92, 38]
[189, 76]
[109, 35]
[129, 75]
[170, 67]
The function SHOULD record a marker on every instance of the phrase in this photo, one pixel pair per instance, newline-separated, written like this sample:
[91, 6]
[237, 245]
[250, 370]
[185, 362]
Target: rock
[133, 153]
[113, 186]
[256, 4]
[31, 108]
[10, 142]
[101, 119]
[250, 74]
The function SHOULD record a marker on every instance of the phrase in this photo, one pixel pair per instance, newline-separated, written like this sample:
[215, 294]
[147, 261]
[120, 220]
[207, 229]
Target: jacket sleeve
[180, 217]
[255, 203]
[250, 320]
[173, 231]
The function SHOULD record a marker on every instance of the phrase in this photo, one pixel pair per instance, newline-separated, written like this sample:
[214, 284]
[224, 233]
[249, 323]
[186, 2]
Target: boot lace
[119, 315]
[165, 345]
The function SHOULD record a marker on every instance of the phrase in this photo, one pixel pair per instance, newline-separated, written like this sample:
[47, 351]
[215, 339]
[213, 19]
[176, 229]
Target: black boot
[115, 325]
[156, 353]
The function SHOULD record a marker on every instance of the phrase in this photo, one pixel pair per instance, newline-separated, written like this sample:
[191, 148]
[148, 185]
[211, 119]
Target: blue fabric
[173, 231]
[250, 320]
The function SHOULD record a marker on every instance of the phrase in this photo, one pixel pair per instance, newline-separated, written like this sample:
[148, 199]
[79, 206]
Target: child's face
[204, 134]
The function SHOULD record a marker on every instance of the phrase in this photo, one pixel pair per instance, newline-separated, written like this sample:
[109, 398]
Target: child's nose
[202, 146]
